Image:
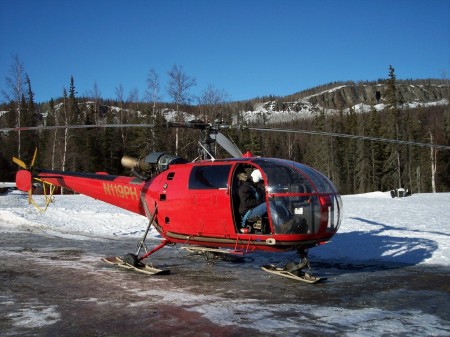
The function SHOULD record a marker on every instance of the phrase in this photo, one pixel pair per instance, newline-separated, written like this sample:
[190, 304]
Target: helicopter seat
[252, 225]
[246, 223]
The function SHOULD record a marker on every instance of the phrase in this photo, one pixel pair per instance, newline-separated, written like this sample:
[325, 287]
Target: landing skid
[134, 261]
[304, 277]
[215, 253]
[212, 250]
[294, 270]
[140, 267]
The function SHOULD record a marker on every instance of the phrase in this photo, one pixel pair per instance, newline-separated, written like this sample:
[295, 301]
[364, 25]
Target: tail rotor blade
[34, 158]
[20, 163]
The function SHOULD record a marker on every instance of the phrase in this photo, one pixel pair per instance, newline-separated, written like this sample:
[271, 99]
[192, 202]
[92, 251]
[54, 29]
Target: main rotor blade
[230, 145]
[333, 134]
[227, 144]
[55, 127]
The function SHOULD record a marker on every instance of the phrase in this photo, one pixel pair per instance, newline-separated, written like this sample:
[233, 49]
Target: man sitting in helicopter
[253, 205]
[252, 198]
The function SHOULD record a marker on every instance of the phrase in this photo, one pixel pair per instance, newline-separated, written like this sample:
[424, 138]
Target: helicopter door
[259, 226]
[208, 189]
[172, 198]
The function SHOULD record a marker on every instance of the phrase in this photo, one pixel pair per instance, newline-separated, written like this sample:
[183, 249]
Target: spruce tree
[74, 109]
[376, 151]
[392, 177]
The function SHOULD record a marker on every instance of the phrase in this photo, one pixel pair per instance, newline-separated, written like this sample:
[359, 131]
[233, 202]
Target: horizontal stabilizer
[7, 185]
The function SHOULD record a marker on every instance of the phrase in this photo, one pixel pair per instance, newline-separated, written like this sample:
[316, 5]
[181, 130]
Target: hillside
[329, 98]
[360, 97]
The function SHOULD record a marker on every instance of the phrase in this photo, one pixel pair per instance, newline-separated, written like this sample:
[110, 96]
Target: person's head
[242, 176]
[257, 176]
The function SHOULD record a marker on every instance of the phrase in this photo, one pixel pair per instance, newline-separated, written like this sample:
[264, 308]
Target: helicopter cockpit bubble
[299, 197]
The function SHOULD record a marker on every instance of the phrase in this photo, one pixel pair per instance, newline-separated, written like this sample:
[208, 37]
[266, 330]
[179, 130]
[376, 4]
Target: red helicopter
[197, 203]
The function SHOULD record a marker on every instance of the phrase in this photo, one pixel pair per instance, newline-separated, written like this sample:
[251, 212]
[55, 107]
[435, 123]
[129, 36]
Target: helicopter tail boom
[120, 191]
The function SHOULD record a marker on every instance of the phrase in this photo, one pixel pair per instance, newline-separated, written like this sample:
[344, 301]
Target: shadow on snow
[377, 249]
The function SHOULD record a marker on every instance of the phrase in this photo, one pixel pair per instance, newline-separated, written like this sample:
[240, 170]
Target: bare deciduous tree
[122, 115]
[433, 156]
[133, 99]
[178, 89]
[211, 101]
[15, 81]
[152, 92]
[96, 95]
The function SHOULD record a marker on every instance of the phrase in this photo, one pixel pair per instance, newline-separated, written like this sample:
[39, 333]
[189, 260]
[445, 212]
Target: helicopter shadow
[376, 249]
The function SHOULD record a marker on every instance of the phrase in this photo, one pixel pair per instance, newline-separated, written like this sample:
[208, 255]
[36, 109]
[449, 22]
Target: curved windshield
[320, 181]
[299, 198]
[285, 178]
[290, 177]
[295, 215]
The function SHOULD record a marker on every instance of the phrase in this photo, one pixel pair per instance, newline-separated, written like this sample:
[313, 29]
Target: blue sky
[247, 48]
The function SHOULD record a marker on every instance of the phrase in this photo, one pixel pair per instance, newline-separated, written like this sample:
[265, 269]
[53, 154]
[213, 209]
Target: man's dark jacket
[249, 197]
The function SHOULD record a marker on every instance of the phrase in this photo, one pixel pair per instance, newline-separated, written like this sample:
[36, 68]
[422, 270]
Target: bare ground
[52, 286]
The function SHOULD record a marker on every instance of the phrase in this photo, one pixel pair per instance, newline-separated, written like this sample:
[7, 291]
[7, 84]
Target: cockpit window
[320, 181]
[300, 199]
[291, 177]
[295, 214]
[209, 177]
[285, 179]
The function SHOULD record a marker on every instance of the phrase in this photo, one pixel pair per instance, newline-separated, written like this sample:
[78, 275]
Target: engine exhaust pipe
[132, 163]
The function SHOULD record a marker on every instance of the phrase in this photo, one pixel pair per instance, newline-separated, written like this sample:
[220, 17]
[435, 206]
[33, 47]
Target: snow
[361, 107]
[35, 315]
[375, 227]
[70, 216]
[265, 113]
[410, 230]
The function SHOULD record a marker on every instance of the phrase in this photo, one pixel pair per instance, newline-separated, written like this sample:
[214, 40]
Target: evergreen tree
[65, 120]
[341, 152]
[51, 136]
[411, 153]
[363, 158]
[318, 151]
[392, 177]
[77, 159]
[376, 151]
[352, 127]
[74, 109]
[31, 118]
[445, 172]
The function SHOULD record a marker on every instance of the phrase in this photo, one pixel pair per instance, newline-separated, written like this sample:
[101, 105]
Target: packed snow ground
[375, 227]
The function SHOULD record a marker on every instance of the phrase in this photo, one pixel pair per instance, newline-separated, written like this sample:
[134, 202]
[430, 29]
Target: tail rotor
[24, 178]
[24, 181]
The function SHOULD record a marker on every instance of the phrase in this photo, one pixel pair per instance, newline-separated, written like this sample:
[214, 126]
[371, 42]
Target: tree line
[354, 165]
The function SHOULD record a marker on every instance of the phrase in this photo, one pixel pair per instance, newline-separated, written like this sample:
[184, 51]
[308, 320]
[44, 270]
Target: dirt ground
[51, 286]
